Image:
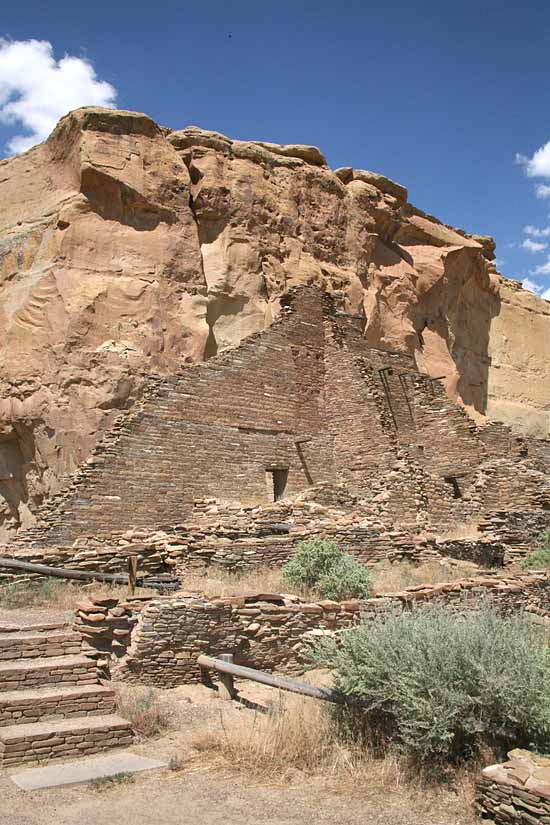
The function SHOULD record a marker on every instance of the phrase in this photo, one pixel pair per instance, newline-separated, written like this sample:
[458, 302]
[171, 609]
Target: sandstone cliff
[128, 250]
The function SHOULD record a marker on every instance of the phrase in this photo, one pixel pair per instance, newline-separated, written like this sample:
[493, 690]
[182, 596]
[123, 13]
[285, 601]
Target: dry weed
[53, 593]
[149, 713]
[391, 578]
[387, 578]
[299, 741]
[297, 737]
[217, 582]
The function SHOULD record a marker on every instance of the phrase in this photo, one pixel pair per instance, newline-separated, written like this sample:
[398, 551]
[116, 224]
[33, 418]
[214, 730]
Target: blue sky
[441, 97]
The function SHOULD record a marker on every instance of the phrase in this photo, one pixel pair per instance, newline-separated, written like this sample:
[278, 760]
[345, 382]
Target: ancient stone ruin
[215, 349]
[130, 251]
[303, 429]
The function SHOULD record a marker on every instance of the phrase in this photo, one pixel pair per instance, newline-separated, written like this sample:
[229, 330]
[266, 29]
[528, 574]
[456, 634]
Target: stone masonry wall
[110, 557]
[517, 791]
[217, 428]
[307, 399]
[158, 641]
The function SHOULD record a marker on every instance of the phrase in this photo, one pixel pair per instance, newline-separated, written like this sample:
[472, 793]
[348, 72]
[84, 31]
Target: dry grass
[391, 578]
[53, 593]
[298, 741]
[149, 713]
[296, 737]
[387, 578]
[216, 582]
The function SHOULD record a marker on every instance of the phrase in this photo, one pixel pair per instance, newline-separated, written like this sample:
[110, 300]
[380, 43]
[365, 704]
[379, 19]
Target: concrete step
[41, 741]
[31, 645]
[60, 670]
[22, 707]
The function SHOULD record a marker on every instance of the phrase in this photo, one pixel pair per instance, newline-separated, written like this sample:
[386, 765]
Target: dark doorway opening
[277, 484]
[457, 492]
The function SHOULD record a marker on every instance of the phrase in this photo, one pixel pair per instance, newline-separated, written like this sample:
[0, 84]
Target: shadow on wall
[13, 487]
[436, 303]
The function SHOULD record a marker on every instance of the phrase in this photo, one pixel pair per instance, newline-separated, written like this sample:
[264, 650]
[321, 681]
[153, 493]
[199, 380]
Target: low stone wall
[157, 641]
[486, 552]
[264, 632]
[105, 558]
[516, 791]
[529, 592]
[519, 531]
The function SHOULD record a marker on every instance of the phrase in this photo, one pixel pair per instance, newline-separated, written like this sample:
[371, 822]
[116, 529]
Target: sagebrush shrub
[441, 685]
[540, 557]
[323, 567]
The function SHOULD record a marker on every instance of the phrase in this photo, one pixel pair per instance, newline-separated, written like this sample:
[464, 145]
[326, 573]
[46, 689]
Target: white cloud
[543, 269]
[538, 289]
[539, 165]
[36, 90]
[535, 232]
[542, 191]
[533, 246]
[532, 286]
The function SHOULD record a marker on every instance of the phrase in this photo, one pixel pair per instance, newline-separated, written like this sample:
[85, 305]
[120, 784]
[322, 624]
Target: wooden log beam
[62, 572]
[280, 682]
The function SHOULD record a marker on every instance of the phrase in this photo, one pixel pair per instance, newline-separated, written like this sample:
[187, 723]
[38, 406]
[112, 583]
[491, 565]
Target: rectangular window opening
[452, 481]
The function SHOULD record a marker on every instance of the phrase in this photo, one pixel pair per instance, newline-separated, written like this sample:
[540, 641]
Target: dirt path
[33, 615]
[208, 799]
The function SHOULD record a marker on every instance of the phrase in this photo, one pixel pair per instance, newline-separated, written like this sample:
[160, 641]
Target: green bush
[347, 579]
[443, 686]
[540, 557]
[312, 560]
[323, 567]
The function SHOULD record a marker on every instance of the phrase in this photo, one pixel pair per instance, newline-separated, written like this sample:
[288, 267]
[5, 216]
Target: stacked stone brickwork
[51, 702]
[106, 557]
[305, 405]
[130, 251]
[157, 641]
[517, 791]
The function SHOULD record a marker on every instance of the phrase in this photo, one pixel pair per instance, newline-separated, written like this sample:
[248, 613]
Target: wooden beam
[281, 682]
[62, 572]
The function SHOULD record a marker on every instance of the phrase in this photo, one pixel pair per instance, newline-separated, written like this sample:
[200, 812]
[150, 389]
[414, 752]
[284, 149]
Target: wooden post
[226, 689]
[132, 574]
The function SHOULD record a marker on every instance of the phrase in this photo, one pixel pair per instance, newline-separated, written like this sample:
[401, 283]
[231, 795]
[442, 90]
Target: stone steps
[51, 702]
[42, 741]
[22, 707]
[34, 644]
[30, 673]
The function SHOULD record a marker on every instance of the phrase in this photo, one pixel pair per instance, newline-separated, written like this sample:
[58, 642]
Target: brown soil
[34, 615]
[200, 791]
[207, 798]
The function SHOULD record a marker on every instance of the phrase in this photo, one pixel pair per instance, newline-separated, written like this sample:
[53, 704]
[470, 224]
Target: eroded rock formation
[128, 250]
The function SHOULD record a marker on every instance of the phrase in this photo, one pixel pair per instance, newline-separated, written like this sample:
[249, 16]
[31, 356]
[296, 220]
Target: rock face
[128, 250]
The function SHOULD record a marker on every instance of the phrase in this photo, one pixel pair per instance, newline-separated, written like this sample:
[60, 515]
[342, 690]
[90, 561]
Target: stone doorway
[276, 481]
